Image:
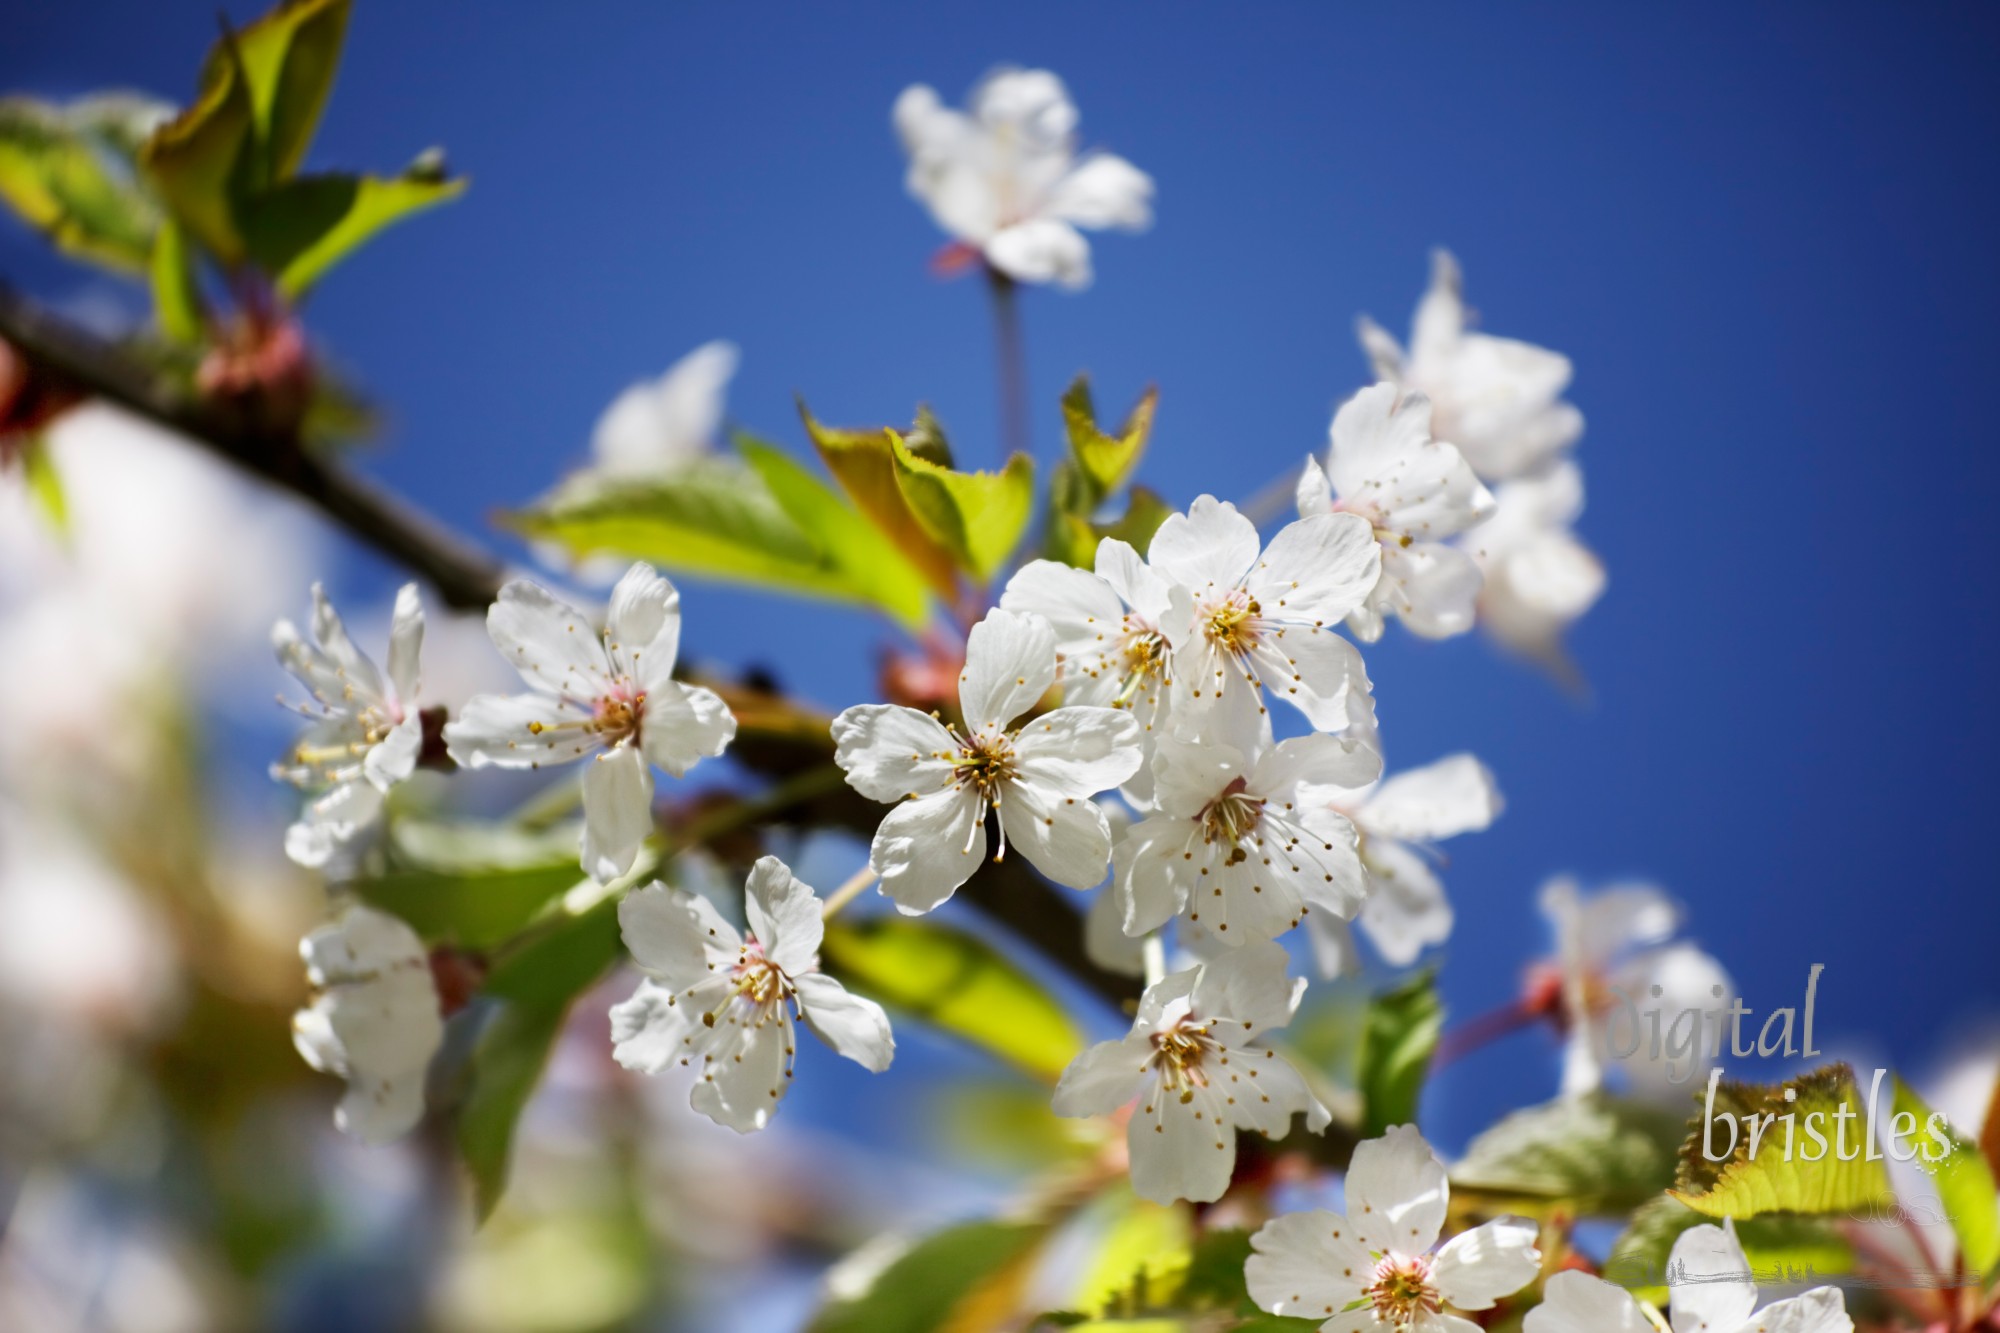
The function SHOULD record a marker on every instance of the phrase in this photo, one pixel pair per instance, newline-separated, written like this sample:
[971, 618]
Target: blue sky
[1763, 234]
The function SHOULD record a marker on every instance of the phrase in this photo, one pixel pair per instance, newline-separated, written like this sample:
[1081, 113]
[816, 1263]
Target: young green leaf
[864, 463]
[177, 303]
[1107, 460]
[941, 1284]
[64, 171]
[191, 160]
[288, 58]
[1594, 1154]
[45, 484]
[959, 984]
[1964, 1185]
[1402, 1031]
[299, 229]
[1777, 1176]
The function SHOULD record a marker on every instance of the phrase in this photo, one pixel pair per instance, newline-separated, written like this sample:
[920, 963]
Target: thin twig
[856, 883]
[1014, 430]
[463, 575]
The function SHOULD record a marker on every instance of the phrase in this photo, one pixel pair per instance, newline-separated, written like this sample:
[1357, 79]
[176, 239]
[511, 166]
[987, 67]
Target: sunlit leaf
[177, 303]
[1008, 1123]
[1146, 1248]
[1402, 1031]
[1809, 1246]
[45, 484]
[1107, 460]
[940, 1283]
[864, 463]
[1771, 1180]
[66, 171]
[192, 159]
[300, 228]
[1964, 1185]
[1593, 1154]
[977, 516]
[473, 885]
[957, 983]
[288, 58]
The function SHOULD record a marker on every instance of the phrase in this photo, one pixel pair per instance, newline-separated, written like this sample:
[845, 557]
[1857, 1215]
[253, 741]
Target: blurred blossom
[374, 1019]
[1004, 176]
[1539, 577]
[74, 1262]
[657, 425]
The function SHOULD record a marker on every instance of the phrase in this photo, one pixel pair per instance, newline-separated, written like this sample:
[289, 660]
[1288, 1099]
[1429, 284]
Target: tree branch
[464, 576]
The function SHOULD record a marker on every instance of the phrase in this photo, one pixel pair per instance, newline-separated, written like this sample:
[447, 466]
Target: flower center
[1400, 1289]
[1231, 624]
[1145, 652]
[1179, 1051]
[335, 761]
[1231, 818]
[983, 762]
[615, 718]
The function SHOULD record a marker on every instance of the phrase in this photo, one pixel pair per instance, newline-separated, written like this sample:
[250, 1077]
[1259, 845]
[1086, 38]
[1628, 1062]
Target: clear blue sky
[1764, 233]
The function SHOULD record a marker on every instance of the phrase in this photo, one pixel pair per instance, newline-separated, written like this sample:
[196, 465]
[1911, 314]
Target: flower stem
[1008, 348]
[847, 892]
[1474, 1033]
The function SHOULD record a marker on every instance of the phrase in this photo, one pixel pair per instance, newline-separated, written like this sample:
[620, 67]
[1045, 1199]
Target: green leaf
[1402, 1031]
[1144, 512]
[957, 983]
[939, 1284]
[1770, 1180]
[864, 463]
[1638, 1261]
[288, 58]
[299, 229]
[45, 484]
[471, 910]
[868, 560]
[533, 989]
[1964, 1185]
[64, 170]
[1595, 1154]
[192, 159]
[177, 303]
[1107, 460]
[977, 516]
[1146, 1250]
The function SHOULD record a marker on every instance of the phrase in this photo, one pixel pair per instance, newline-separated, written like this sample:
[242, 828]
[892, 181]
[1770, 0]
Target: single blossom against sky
[1197, 1062]
[366, 732]
[1005, 179]
[1382, 1256]
[609, 697]
[1036, 779]
[728, 999]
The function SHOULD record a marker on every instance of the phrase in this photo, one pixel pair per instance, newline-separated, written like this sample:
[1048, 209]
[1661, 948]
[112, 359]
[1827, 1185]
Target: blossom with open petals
[374, 1019]
[1539, 576]
[366, 733]
[610, 697]
[1036, 779]
[1498, 399]
[1414, 491]
[1379, 1268]
[657, 425]
[1262, 616]
[728, 1000]
[1711, 1289]
[1005, 179]
[1399, 821]
[1238, 839]
[1197, 1062]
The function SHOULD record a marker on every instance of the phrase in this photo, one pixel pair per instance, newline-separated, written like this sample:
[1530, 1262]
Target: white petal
[1010, 663]
[925, 848]
[1149, 886]
[1332, 942]
[1042, 250]
[1181, 1149]
[1477, 1267]
[617, 811]
[1624, 917]
[1716, 1290]
[1821, 1310]
[1251, 987]
[890, 752]
[650, 1029]
[1436, 1321]
[518, 731]
[1104, 1078]
[685, 724]
[1103, 191]
[1189, 773]
[376, 1021]
[670, 938]
[1030, 105]
[1575, 1302]
[1078, 751]
[1306, 1265]
[1314, 493]
[406, 641]
[1078, 605]
[1315, 760]
[1168, 993]
[1269, 1092]
[1384, 460]
[1210, 546]
[331, 635]
[1314, 670]
[643, 623]
[784, 915]
[330, 821]
[1455, 795]
[657, 424]
[855, 1027]
[1317, 569]
[1406, 911]
[744, 1070]
[1066, 838]
[1396, 1192]
[395, 758]
[1384, 353]
[550, 642]
[1431, 587]
[1133, 580]
[1104, 939]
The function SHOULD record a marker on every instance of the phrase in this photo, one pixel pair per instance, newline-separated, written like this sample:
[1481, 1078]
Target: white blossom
[374, 1019]
[1614, 947]
[1414, 491]
[1005, 179]
[1399, 821]
[366, 732]
[1240, 841]
[1499, 400]
[1539, 577]
[1036, 779]
[1711, 1288]
[657, 425]
[729, 999]
[1261, 619]
[609, 697]
[1197, 1062]
[1382, 1258]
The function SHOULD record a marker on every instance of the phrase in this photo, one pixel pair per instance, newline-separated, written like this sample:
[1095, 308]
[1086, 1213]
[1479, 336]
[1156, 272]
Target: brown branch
[463, 575]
